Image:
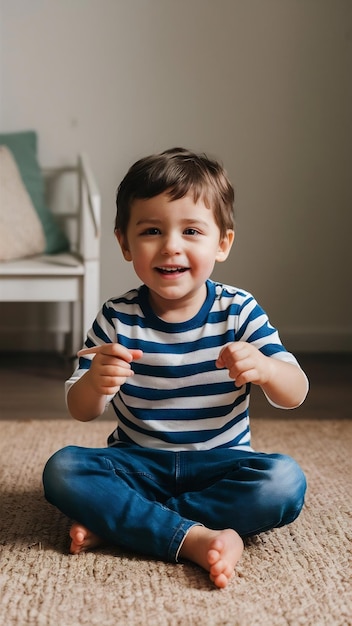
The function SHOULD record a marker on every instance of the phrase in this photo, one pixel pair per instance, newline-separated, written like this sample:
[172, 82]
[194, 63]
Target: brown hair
[177, 171]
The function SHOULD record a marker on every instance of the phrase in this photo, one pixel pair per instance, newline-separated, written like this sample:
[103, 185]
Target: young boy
[176, 358]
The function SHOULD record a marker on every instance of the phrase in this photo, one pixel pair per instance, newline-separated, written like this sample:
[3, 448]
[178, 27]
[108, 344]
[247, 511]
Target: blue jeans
[146, 500]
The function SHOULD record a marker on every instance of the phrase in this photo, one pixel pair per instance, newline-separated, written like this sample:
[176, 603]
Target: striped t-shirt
[178, 399]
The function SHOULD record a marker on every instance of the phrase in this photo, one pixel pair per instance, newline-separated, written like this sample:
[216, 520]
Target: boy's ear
[123, 244]
[225, 246]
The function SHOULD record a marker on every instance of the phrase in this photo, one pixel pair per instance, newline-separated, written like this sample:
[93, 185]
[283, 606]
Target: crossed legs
[203, 524]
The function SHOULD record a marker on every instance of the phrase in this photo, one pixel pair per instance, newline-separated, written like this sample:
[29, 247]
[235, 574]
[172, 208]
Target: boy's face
[174, 245]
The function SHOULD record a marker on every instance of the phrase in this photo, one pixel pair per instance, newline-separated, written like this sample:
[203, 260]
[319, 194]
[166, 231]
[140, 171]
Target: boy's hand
[110, 366]
[246, 364]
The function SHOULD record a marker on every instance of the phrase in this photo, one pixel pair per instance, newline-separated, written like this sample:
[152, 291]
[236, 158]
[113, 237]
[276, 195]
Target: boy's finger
[137, 354]
[109, 348]
[85, 351]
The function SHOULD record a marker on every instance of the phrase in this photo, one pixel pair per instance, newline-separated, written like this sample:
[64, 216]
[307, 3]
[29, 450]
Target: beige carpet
[298, 575]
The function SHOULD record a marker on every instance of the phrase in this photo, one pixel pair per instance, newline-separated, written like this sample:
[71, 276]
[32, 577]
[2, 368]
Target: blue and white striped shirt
[178, 399]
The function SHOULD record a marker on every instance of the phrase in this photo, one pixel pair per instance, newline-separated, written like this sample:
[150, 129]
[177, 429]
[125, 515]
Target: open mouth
[171, 270]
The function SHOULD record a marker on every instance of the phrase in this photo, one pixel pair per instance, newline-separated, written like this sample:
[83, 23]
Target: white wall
[265, 85]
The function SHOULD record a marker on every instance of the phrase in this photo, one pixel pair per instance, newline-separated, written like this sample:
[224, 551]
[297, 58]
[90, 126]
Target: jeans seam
[172, 552]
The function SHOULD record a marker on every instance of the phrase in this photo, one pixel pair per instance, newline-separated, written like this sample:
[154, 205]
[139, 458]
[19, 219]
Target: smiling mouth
[171, 270]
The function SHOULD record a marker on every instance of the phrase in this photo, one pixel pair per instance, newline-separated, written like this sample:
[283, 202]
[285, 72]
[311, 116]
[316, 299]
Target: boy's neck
[178, 311]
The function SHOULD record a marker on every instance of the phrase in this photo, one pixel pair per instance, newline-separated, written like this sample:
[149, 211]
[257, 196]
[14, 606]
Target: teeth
[171, 270]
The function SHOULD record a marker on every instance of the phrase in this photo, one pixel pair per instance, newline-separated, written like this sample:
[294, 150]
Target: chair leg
[91, 295]
[76, 335]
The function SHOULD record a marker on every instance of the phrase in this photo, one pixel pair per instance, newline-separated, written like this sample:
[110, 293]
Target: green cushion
[23, 146]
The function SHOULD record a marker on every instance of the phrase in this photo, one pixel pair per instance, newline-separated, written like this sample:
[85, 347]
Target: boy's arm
[285, 384]
[110, 368]
[83, 402]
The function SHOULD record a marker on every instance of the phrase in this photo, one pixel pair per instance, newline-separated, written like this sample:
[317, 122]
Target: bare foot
[83, 539]
[217, 551]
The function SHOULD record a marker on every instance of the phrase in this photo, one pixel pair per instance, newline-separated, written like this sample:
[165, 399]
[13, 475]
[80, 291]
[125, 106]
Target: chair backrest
[62, 195]
[73, 197]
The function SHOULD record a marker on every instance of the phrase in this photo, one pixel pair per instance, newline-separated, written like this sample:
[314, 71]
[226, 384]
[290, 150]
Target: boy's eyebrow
[148, 220]
[155, 220]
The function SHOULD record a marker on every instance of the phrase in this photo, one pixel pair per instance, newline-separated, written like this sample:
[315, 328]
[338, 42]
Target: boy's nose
[171, 245]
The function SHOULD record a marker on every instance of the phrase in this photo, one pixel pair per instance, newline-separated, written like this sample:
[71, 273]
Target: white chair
[72, 276]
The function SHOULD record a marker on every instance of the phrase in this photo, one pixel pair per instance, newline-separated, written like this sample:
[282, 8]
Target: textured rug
[297, 575]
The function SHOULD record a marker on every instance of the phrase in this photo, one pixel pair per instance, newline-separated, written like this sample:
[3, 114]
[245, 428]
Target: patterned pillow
[23, 145]
[21, 231]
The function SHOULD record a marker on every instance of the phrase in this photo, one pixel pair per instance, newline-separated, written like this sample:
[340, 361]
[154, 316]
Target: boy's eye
[151, 231]
[191, 231]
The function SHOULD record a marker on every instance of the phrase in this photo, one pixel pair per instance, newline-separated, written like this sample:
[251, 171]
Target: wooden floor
[32, 387]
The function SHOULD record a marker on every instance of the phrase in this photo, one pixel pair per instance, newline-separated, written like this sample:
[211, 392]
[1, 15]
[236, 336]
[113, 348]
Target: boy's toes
[218, 568]
[213, 557]
[220, 581]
